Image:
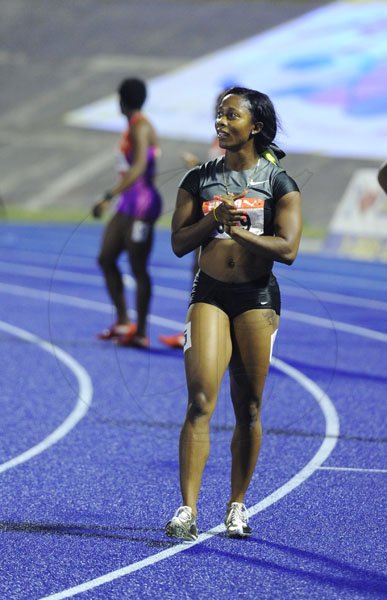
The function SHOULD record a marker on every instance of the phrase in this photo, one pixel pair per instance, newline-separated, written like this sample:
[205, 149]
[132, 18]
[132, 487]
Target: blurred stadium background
[58, 58]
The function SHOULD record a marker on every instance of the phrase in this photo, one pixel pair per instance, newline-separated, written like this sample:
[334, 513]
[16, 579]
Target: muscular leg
[112, 246]
[205, 364]
[249, 366]
[138, 257]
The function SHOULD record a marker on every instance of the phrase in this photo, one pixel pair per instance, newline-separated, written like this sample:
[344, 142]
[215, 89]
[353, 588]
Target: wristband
[108, 196]
[214, 213]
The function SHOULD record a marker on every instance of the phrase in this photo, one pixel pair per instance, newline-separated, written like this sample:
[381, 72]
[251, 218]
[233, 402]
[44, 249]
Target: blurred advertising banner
[359, 226]
[326, 72]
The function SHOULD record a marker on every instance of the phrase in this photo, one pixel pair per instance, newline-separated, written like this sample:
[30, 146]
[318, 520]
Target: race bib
[140, 231]
[254, 209]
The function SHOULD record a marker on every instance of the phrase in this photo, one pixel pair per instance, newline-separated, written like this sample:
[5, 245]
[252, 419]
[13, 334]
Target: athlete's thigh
[253, 338]
[207, 350]
[114, 237]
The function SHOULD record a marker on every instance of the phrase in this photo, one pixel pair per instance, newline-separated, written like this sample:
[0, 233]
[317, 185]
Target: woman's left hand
[226, 213]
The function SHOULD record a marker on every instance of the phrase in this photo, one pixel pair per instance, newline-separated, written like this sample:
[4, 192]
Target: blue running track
[89, 436]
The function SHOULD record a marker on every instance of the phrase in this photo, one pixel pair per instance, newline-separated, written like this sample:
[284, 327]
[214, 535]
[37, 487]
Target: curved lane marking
[358, 330]
[326, 448]
[83, 401]
[332, 430]
[335, 298]
[326, 405]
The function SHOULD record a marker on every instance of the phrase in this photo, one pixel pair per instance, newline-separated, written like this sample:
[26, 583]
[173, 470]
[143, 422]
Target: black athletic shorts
[236, 298]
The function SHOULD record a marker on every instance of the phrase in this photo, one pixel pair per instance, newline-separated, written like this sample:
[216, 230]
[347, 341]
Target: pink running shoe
[116, 331]
[131, 338]
[173, 341]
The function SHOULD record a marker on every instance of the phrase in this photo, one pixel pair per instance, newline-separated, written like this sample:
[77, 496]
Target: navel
[231, 263]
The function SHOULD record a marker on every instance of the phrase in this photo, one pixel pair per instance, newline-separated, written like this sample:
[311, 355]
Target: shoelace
[184, 514]
[237, 513]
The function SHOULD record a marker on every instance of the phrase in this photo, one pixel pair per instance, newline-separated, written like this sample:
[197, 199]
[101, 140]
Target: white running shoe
[182, 525]
[236, 520]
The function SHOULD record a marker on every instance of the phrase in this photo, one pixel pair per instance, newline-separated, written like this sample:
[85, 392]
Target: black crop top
[269, 183]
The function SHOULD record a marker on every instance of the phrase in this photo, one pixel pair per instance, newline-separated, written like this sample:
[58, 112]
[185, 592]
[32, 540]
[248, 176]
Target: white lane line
[337, 325]
[83, 401]
[50, 273]
[68, 300]
[170, 273]
[18, 290]
[335, 298]
[355, 469]
[53, 274]
[341, 280]
[174, 273]
[332, 430]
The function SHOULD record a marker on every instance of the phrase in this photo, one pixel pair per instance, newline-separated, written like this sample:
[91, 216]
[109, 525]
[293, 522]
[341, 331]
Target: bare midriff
[227, 261]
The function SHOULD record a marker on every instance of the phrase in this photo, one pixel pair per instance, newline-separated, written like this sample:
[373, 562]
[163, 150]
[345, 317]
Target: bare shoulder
[143, 129]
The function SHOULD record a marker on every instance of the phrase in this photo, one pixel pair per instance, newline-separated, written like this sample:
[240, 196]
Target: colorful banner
[359, 226]
[326, 72]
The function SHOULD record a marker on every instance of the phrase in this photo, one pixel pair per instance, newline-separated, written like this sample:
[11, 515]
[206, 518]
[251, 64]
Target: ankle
[192, 508]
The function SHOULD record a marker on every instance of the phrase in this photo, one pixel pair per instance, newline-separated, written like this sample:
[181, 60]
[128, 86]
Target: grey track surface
[56, 56]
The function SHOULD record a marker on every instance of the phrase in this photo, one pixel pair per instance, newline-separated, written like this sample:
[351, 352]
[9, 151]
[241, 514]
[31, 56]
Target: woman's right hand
[99, 208]
[226, 213]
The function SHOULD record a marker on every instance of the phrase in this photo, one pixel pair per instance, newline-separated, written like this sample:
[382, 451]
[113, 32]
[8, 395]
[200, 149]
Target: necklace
[249, 180]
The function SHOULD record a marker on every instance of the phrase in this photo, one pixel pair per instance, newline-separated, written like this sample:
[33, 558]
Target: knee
[141, 274]
[255, 412]
[200, 406]
[105, 261]
[250, 416]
